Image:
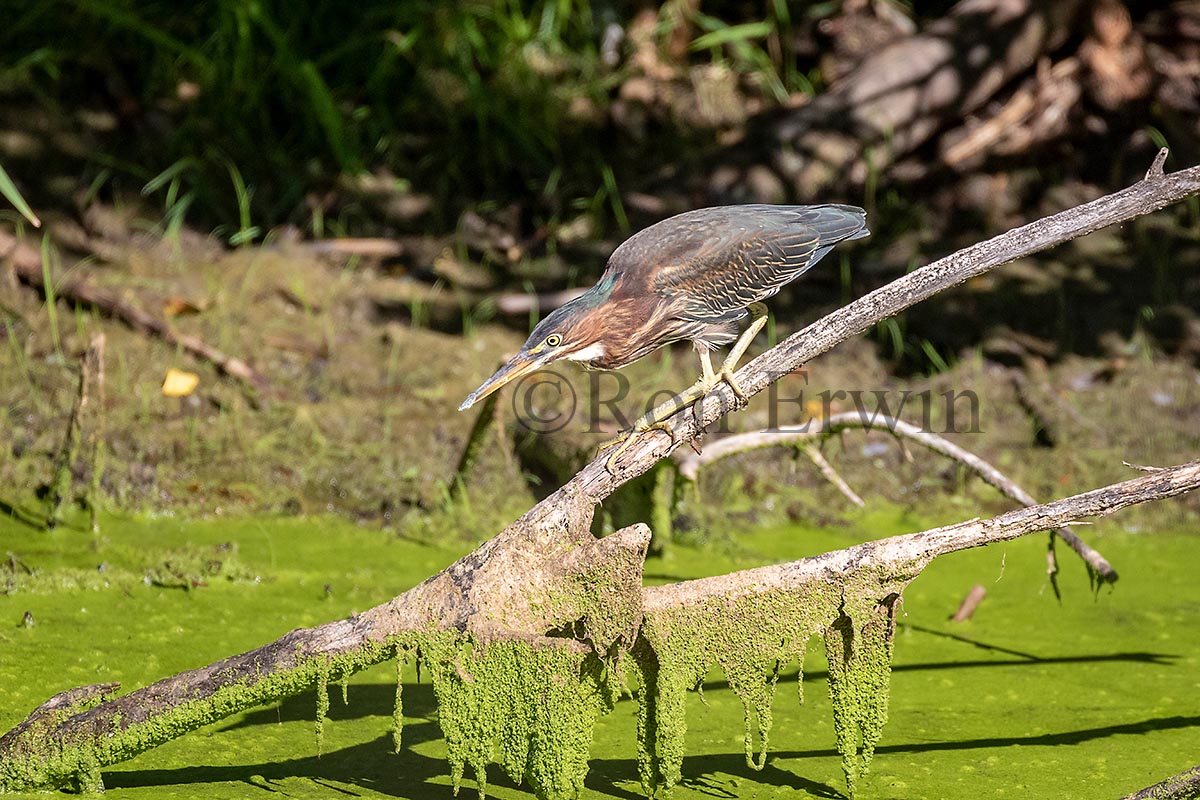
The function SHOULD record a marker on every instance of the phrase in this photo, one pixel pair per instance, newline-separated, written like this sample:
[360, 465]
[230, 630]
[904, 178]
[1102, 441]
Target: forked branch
[547, 573]
[691, 463]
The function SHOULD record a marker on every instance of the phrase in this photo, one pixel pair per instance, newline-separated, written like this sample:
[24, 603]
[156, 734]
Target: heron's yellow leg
[655, 419]
[758, 314]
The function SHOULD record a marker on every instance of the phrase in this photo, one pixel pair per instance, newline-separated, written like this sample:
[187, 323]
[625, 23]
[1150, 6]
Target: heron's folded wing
[730, 266]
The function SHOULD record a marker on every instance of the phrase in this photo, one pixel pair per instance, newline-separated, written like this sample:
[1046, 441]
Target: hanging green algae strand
[858, 646]
[398, 705]
[529, 707]
[322, 702]
[79, 763]
[752, 638]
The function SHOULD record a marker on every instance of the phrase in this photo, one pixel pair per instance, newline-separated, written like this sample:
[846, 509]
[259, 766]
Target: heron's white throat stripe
[589, 353]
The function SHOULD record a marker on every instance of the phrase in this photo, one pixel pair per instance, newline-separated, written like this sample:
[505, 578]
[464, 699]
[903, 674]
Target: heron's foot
[658, 418]
[727, 375]
[624, 440]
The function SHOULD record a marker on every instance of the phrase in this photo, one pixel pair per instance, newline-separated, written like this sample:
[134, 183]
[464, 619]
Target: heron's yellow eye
[553, 340]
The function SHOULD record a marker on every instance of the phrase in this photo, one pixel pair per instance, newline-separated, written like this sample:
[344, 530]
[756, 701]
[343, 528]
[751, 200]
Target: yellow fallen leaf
[178, 306]
[179, 383]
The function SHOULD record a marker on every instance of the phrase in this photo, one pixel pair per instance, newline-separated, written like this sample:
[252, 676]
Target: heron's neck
[592, 353]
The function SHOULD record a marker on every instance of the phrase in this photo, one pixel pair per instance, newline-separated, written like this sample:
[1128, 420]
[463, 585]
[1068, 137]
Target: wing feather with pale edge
[720, 260]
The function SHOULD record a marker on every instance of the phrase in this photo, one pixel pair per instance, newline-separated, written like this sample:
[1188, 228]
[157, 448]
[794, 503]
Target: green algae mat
[1093, 696]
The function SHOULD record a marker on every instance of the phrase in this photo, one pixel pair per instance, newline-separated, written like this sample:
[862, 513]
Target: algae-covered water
[1092, 697]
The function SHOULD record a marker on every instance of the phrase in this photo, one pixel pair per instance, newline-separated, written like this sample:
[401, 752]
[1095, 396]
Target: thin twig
[966, 609]
[91, 369]
[484, 421]
[690, 465]
[1156, 168]
[831, 474]
[97, 450]
[1141, 467]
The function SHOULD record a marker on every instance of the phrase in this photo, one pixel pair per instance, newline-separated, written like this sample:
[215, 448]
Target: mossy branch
[765, 616]
[691, 463]
[802, 598]
[492, 610]
[1184, 786]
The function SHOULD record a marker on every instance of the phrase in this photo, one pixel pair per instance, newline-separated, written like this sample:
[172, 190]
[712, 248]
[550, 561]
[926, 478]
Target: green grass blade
[732, 34]
[330, 119]
[51, 299]
[9, 190]
[614, 198]
[166, 176]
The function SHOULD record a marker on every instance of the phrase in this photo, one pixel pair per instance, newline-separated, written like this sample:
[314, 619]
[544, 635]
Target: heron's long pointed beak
[519, 365]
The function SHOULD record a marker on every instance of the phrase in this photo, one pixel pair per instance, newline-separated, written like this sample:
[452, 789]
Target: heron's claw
[625, 439]
[727, 375]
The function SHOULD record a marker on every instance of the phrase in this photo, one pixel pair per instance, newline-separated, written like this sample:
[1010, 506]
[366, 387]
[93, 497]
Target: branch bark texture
[546, 574]
[691, 464]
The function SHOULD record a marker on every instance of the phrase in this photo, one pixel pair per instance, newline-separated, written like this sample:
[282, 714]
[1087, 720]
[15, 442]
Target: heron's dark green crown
[581, 323]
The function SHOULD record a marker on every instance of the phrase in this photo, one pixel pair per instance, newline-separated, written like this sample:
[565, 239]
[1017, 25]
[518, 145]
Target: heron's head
[574, 332]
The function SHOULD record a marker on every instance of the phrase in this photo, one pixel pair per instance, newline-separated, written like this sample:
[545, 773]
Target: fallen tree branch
[764, 616]
[1184, 786]
[54, 746]
[831, 475]
[1141, 198]
[528, 580]
[547, 574]
[691, 463]
[27, 262]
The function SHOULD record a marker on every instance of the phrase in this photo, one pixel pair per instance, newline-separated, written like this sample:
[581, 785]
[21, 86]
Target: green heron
[693, 276]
